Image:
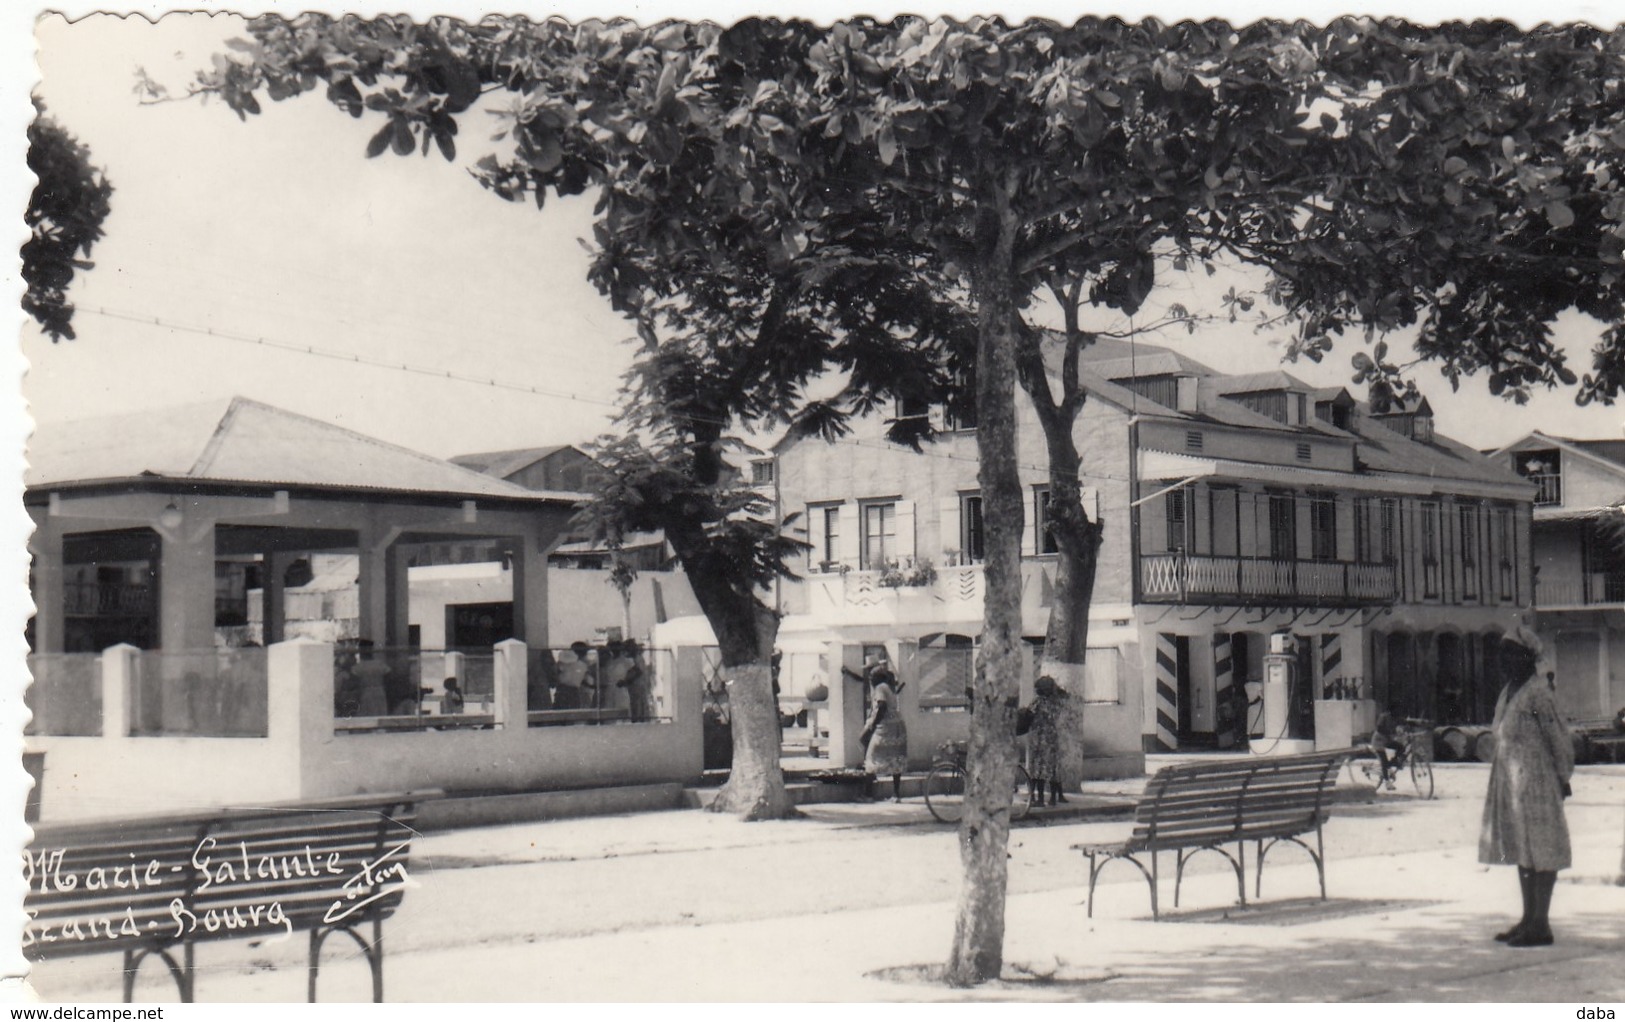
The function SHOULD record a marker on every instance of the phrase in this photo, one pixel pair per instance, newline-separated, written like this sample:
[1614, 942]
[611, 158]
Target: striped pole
[1331, 660]
[1225, 723]
[1167, 692]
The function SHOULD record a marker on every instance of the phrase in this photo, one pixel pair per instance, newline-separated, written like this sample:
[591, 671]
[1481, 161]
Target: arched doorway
[1452, 701]
[1402, 681]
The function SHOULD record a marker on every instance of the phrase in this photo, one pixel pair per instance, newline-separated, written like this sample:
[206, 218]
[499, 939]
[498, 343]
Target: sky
[279, 229]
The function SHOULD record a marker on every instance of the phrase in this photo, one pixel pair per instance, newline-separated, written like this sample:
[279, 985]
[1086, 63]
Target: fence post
[509, 692]
[299, 712]
[118, 665]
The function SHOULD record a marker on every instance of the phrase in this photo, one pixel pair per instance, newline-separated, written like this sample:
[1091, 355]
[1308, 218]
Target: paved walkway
[1408, 924]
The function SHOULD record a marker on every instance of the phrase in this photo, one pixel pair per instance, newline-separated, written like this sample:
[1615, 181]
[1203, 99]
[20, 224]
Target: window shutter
[948, 526]
[1090, 499]
[1029, 522]
[905, 529]
[849, 542]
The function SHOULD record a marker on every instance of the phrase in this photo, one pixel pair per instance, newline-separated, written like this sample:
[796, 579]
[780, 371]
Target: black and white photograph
[723, 505]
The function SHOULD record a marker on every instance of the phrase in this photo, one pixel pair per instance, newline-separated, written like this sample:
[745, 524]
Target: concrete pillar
[510, 704]
[372, 549]
[906, 662]
[118, 664]
[49, 590]
[529, 573]
[845, 705]
[186, 588]
[397, 597]
[299, 714]
[275, 617]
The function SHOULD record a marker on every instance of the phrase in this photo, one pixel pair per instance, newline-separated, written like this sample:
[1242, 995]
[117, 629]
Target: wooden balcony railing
[106, 599]
[1594, 589]
[1181, 578]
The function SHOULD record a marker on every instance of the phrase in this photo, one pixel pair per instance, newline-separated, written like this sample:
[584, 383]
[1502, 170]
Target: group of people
[1048, 724]
[612, 677]
[1523, 823]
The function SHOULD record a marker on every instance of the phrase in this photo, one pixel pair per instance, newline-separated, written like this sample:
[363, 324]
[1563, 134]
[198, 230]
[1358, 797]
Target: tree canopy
[889, 201]
[65, 214]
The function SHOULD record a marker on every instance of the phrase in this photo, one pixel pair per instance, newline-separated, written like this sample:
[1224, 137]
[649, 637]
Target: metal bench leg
[1154, 885]
[1094, 871]
[315, 965]
[1258, 883]
[181, 972]
[1241, 871]
[375, 958]
[1320, 861]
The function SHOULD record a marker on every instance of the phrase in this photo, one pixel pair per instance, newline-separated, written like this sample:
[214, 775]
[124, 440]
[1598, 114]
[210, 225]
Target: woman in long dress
[1529, 779]
[1046, 741]
[884, 736]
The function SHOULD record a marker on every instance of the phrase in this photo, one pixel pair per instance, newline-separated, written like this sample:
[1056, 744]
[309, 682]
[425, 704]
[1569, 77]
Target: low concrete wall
[303, 758]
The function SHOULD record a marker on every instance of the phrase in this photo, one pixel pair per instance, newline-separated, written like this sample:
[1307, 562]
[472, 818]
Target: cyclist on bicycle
[1385, 739]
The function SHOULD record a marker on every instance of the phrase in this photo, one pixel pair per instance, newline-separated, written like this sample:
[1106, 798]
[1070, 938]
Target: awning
[1166, 466]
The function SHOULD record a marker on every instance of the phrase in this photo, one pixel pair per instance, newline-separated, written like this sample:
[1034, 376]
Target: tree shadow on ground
[1434, 956]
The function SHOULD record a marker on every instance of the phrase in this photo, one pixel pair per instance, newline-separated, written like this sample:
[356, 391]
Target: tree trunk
[984, 831]
[1077, 539]
[745, 631]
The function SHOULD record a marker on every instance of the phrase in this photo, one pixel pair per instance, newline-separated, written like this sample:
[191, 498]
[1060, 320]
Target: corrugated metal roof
[1273, 379]
[504, 464]
[238, 440]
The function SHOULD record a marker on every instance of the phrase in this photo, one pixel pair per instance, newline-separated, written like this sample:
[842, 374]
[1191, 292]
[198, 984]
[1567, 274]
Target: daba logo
[1593, 1013]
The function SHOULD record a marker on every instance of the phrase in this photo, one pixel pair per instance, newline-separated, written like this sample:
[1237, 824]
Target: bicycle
[1415, 754]
[945, 785]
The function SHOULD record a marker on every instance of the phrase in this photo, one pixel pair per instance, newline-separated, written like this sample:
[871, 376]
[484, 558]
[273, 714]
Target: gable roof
[1610, 454]
[239, 440]
[1271, 379]
[503, 464]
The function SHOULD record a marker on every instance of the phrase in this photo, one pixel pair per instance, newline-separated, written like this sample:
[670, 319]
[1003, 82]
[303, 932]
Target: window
[1283, 527]
[1043, 540]
[879, 534]
[1305, 452]
[1467, 533]
[971, 540]
[1364, 539]
[826, 524]
[1508, 573]
[913, 408]
[1389, 530]
[1193, 440]
[761, 471]
[1173, 503]
[1430, 549]
[1323, 528]
[1545, 470]
[959, 411]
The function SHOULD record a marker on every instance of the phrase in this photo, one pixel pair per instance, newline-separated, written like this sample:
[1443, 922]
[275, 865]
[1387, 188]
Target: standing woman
[1046, 740]
[1529, 779]
[884, 736]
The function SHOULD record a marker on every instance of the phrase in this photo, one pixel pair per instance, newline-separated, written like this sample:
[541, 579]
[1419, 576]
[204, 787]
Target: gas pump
[1280, 664]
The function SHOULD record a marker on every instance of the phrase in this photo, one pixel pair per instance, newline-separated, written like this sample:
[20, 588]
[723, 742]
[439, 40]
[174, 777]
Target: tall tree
[745, 283]
[65, 214]
[1385, 176]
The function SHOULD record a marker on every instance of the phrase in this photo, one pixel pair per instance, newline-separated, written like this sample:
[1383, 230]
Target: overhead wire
[447, 374]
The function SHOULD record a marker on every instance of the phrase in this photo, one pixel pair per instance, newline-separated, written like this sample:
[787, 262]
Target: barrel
[1484, 746]
[1453, 745]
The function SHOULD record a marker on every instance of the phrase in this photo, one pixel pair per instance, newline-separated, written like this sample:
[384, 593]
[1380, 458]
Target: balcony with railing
[1184, 578]
[105, 599]
[1593, 589]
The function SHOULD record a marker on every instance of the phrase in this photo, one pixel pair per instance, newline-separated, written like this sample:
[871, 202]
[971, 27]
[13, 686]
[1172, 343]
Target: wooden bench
[153, 885]
[1200, 806]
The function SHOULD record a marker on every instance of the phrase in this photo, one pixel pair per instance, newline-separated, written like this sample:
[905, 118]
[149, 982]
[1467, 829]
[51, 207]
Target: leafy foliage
[65, 214]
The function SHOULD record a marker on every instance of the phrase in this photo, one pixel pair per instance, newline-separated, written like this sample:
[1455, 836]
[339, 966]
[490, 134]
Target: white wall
[303, 758]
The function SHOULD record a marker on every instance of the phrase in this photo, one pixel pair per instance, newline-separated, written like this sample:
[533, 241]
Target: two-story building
[1234, 508]
[1579, 557]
